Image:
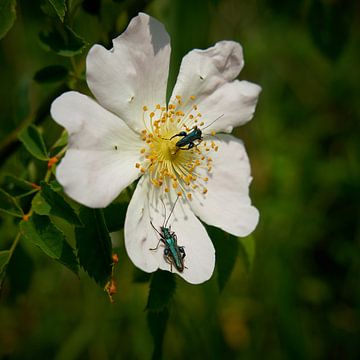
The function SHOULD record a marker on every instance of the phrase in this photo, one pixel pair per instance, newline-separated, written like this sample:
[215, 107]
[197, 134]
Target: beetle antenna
[154, 227]
[164, 210]
[172, 210]
[213, 122]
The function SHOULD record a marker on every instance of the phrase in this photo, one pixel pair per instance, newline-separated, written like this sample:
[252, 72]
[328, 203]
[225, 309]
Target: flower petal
[208, 76]
[140, 237]
[203, 71]
[103, 150]
[229, 106]
[227, 204]
[134, 73]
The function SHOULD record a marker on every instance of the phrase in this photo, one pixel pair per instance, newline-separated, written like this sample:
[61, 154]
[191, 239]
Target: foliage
[288, 291]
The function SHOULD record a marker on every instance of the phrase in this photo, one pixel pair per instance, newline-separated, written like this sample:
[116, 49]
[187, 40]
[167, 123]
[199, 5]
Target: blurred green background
[294, 291]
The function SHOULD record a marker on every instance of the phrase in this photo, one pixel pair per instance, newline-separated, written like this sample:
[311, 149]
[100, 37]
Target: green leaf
[94, 247]
[4, 260]
[17, 187]
[49, 202]
[40, 231]
[55, 185]
[7, 16]
[115, 216]
[50, 74]
[227, 248]
[248, 247]
[64, 42]
[162, 290]
[34, 142]
[62, 140]
[60, 8]
[9, 205]
[157, 322]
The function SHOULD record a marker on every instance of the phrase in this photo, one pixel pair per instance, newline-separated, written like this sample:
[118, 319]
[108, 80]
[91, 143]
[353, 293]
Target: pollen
[182, 168]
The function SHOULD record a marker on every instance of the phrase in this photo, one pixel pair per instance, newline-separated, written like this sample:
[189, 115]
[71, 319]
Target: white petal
[134, 72]
[208, 75]
[231, 105]
[140, 237]
[102, 151]
[227, 204]
[203, 71]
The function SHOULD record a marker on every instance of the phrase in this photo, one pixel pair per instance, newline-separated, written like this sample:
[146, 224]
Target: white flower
[125, 133]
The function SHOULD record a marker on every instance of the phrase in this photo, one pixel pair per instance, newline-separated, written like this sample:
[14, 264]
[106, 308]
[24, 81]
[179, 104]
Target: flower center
[168, 163]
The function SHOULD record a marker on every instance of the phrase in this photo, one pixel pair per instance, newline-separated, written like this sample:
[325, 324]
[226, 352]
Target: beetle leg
[168, 260]
[155, 248]
[181, 133]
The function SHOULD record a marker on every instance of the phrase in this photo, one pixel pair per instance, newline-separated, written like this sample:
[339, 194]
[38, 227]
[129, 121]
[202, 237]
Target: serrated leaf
[162, 290]
[227, 248]
[64, 43]
[94, 246]
[34, 142]
[115, 216]
[4, 259]
[248, 247]
[49, 202]
[9, 205]
[17, 187]
[157, 322]
[50, 74]
[7, 16]
[40, 231]
[60, 8]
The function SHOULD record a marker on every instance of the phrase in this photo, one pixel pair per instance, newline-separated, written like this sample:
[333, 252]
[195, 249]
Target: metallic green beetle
[173, 254]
